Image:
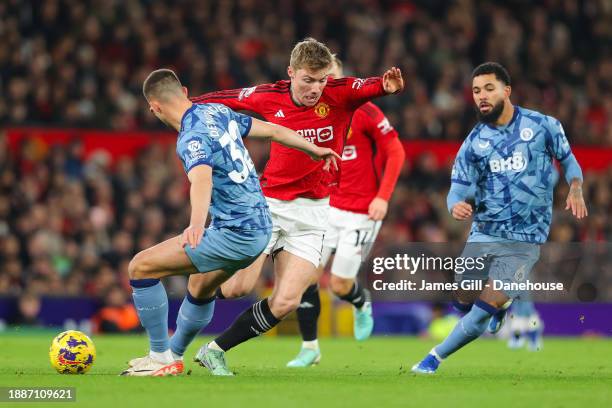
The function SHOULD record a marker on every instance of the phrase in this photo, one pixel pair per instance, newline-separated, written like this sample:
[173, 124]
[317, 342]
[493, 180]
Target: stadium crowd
[82, 63]
[69, 226]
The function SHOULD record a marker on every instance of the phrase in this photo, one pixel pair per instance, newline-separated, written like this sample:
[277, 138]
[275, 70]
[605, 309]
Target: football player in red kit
[297, 190]
[372, 159]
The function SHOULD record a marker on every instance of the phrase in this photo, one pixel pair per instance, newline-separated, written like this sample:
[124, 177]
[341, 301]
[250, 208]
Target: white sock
[176, 356]
[311, 345]
[214, 346]
[163, 357]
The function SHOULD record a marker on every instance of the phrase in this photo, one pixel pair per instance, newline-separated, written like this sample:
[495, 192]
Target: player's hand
[575, 202]
[462, 211]
[393, 81]
[378, 209]
[327, 154]
[192, 236]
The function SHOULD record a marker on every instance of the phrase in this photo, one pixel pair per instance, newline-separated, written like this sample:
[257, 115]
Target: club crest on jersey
[515, 163]
[194, 145]
[246, 92]
[485, 144]
[321, 110]
[526, 134]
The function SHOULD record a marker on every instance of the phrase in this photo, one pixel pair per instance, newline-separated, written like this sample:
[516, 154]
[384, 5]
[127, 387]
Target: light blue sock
[470, 327]
[151, 304]
[193, 316]
[523, 308]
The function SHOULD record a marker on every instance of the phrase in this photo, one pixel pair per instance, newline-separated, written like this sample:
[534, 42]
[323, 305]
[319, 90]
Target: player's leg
[354, 244]
[310, 306]
[230, 250]
[197, 308]
[308, 317]
[151, 301]
[525, 325]
[293, 275]
[241, 283]
[511, 263]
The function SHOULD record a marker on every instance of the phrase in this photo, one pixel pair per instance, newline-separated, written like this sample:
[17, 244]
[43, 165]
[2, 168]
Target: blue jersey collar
[187, 112]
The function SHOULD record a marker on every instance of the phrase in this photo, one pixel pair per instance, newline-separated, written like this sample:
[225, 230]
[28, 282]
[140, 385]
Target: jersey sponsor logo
[323, 134]
[279, 114]
[384, 126]
[526, 134]
[515, 163]
[321, 110]
[194, 145]
[349, 153]
[358, 83]
[195, 154]
[246, 92]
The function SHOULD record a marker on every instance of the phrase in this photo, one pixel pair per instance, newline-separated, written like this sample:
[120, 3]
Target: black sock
[308, 313]
[251, 323]
[357, 295]
[219, 293]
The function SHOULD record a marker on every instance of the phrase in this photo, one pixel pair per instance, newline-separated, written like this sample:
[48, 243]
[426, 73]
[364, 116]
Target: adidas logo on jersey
[279, 114]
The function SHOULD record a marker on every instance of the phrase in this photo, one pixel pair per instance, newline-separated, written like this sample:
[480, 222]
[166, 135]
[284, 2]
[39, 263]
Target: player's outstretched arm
[200, 191]
[289, 138]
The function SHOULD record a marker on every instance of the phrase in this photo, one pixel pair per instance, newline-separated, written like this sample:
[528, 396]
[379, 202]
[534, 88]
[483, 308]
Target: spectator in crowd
[118, 315]
[81, 63]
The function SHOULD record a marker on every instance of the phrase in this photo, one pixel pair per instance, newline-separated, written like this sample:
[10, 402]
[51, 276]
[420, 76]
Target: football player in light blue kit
[509, 157]
[224, 183]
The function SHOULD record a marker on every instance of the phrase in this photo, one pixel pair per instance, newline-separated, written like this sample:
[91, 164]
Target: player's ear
[507, 91]
[290, 72]
[185, 91]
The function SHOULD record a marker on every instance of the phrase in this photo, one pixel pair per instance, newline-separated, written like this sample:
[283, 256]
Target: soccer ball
[72, 352]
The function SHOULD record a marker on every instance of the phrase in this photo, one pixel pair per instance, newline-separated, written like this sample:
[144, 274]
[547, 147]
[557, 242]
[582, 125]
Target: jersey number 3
[237, 155]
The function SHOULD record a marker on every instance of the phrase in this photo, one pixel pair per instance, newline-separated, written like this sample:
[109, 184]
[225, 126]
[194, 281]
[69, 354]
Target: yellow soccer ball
[72, 352]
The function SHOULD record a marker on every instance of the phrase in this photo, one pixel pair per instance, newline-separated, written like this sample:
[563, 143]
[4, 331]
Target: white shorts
[298, 227]
[352, 236]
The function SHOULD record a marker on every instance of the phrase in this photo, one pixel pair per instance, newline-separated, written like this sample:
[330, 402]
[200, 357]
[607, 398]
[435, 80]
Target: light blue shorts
[506, 262]
[227, 249]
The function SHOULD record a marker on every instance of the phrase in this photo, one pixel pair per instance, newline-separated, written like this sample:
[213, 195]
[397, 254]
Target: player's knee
[235, 292]
[137, 268]
[281, 306]
[341, 286]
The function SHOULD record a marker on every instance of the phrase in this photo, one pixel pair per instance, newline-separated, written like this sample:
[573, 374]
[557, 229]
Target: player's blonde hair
[310, 54]
[161, 84]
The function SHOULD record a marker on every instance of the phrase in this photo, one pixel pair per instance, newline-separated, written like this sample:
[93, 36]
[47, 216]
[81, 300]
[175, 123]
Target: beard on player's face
[490, 113]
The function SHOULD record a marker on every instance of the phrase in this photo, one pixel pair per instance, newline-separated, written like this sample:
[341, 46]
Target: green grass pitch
[375, 373]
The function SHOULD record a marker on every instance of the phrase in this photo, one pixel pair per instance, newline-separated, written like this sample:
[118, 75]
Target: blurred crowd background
[69, 226]
[82, 62]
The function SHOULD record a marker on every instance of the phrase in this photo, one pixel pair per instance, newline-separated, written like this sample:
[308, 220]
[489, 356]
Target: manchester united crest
[322, 110]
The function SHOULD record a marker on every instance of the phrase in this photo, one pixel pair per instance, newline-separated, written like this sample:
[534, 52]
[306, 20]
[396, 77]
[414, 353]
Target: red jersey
[291, 173]
[372, 146]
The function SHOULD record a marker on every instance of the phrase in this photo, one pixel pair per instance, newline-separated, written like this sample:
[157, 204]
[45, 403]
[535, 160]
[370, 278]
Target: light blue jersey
[512, 169]
[211, 134]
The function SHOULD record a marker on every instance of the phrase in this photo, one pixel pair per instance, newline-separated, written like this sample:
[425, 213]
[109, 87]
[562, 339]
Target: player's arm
[559, 148]
[236, 99]
[463, 175]
[358, 91]
[200, 191]
[289, 138]
[387, 140]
